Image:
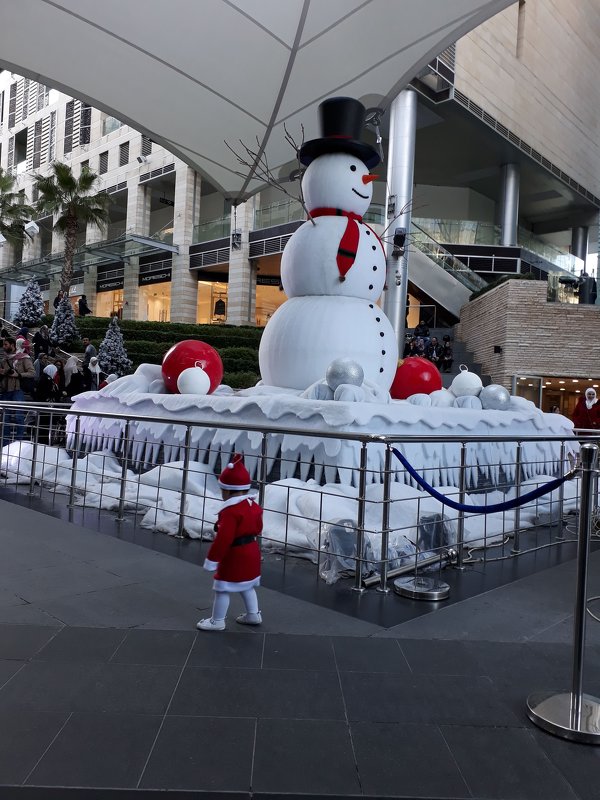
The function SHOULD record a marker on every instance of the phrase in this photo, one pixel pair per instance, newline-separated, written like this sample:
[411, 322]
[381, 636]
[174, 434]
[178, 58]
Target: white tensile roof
[192, 74]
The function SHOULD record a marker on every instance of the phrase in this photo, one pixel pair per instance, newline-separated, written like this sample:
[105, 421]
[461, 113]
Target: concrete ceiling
[196, 75]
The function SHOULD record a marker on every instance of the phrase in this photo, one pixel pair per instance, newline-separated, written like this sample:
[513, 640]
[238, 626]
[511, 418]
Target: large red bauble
[191, 353]
[415, 375]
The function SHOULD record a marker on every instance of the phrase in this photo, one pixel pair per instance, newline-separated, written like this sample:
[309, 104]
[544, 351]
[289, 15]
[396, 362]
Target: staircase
[461, 356]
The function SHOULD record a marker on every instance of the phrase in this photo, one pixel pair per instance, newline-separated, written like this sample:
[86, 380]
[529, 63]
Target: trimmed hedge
[527, 276]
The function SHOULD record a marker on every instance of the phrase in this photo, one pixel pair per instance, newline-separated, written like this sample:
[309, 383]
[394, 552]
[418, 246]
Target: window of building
[25, 107]
[103, 163]
[52, 137]
[21, 149]
[146, 145]
[85, 124]
[110, 124]
[85, 164]
[1, 107]
[11, 155]
[37, 144]
[12, 106]
[123, 154]
[42, 98]
[69, 114]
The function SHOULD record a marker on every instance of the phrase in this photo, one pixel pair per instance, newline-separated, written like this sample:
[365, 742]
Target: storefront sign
[268, 280]
[161, 276]
[109, 284]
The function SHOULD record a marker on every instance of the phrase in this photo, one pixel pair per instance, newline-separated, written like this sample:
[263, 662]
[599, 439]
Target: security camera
[142, 159]
[399, 242]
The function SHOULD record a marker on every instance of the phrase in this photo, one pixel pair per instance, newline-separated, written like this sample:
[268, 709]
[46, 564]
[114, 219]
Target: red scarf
[349, 244]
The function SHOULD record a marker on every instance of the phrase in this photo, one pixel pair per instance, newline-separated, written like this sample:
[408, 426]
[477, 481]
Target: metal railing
[460, 269]
[219, 228]
[361, 519]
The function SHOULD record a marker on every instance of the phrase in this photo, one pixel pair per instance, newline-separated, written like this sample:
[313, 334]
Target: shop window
[268, 300]
[212, 303]
[155, 302]
[109, 303]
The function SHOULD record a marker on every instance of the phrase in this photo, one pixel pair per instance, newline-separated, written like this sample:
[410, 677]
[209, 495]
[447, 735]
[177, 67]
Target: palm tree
[14, 212]
[71, 201]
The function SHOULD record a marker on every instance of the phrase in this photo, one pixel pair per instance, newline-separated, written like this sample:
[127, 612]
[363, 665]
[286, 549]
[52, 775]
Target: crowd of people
[421, 344]
[31, 369]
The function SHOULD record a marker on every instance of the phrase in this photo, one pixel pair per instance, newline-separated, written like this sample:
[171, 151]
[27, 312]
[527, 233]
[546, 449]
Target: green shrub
[240, 380]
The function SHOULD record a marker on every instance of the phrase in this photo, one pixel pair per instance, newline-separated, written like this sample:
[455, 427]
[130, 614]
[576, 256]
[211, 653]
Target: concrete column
[184, 283]
[138, 221]
[579, 242]
[90, 277]
[241, 293]
[509, 206]
[400, 171]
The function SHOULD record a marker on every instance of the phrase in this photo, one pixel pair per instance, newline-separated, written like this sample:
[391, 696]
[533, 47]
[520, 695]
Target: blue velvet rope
[517, 501]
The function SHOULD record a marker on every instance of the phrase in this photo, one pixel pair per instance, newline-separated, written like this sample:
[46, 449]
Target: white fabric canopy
[194, 73]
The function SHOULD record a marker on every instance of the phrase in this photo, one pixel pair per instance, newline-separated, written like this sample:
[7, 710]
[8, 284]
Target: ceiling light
[577, 391]
[562, 390]
[575, 380]
[561, 381]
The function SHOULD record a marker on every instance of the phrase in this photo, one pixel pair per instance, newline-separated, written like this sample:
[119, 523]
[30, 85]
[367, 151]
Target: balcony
[218, 228]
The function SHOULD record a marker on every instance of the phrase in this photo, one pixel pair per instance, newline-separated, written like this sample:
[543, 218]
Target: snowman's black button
[370, 305]
[380, 369]
[383, 352]
[368, 232]
[370, 286]
[374, 269]
[382, 333]
[377, 319]
[374, 247]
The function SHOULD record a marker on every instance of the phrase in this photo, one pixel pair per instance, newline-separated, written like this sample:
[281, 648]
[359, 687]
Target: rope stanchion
[489, 509]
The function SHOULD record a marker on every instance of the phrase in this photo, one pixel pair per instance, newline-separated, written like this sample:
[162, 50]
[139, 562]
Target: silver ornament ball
[495, 397]
[344, 370]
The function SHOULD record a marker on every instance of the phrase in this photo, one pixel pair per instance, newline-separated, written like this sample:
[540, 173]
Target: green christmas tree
[31, 305]
[112, 355]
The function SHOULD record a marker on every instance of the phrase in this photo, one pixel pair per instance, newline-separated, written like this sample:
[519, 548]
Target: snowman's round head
[338, 180]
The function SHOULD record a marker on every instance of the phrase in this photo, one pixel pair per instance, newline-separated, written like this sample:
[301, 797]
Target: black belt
[243, 540]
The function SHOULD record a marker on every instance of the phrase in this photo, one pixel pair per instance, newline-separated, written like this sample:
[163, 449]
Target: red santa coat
[584, 417]
[236, 566]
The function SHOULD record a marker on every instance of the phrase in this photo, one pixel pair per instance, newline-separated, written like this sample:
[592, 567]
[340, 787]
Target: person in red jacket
[234, 555]
[587, 411]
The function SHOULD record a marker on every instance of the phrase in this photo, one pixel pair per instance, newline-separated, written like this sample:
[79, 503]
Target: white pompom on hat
[235, 477]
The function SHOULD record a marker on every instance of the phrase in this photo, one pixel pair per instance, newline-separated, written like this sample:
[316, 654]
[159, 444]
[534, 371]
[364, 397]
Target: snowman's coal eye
[353, 167]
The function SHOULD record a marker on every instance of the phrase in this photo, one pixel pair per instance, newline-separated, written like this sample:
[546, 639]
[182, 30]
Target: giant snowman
[333, 268]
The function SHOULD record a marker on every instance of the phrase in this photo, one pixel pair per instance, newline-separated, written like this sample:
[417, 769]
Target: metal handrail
[5, 322]
[447, 260]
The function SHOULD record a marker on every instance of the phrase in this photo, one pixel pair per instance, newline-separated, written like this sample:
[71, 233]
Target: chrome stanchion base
[418, 588]
[552, 712]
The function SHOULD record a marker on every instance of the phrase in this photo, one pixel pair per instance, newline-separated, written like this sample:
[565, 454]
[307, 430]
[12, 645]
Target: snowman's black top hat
[342, 120]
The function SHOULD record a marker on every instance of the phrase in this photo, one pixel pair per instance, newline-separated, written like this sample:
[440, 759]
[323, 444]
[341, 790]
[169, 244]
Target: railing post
[462, 494]
[574, 715]
[75, 459]
[561, 494]
[184, 480]
[262, 481]
[385, 522]
[516, 548]
[124, 463]
[34, 454]
[360, 530]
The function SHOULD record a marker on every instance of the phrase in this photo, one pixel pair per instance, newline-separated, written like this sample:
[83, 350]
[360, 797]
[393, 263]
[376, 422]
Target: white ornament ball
[344, 370]
[495, 397]
[442, 398]
[468, 401]
[466, 383]
[193, 381]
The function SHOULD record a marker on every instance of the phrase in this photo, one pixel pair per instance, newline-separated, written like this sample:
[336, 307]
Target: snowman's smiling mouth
[364, 196]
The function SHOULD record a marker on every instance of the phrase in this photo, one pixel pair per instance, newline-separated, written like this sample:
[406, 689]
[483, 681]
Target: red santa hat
[235, 477]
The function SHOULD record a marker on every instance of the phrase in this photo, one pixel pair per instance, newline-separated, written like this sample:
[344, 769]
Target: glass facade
[155, 302]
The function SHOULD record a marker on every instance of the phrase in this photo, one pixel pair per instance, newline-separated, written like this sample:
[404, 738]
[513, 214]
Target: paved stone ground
[107, 690]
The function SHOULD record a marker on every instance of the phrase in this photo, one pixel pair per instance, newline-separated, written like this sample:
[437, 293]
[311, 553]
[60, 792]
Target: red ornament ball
[191, 353]
[415, 375]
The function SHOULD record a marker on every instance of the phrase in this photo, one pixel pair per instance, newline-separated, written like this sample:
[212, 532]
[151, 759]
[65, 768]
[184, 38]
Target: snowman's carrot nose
[369, 178]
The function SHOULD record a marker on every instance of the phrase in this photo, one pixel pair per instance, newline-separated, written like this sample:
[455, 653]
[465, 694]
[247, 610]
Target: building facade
[506, 174]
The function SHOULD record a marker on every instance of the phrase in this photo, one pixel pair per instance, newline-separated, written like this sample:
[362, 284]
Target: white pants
[221, 603]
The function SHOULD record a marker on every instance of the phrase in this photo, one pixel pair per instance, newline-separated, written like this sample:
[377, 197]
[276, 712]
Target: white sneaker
[250, 619]
[211, 624]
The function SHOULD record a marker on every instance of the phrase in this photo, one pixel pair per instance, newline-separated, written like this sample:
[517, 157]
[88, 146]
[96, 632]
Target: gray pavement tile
[154, 647]
[425, 699]
[311, 756]
[100, 750]
[8, 669]
[442, 657]
[117, 607]
[23, 641]
[408, 760]
[127, 688]
[28, 615]
[46, 686]
[10, 598]
[578, 763]
[505, 764]
[290, 651]
[207, 753]
[223, 692]
[226, 649]
[26, 735]
[82, 644]
[369, 655]
[45, 584]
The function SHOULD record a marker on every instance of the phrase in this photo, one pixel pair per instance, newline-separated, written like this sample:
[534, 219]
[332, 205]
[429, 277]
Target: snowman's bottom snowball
[306, 334]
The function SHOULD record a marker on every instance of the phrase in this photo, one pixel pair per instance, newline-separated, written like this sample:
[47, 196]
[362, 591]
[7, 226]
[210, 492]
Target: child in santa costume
[234, 556]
